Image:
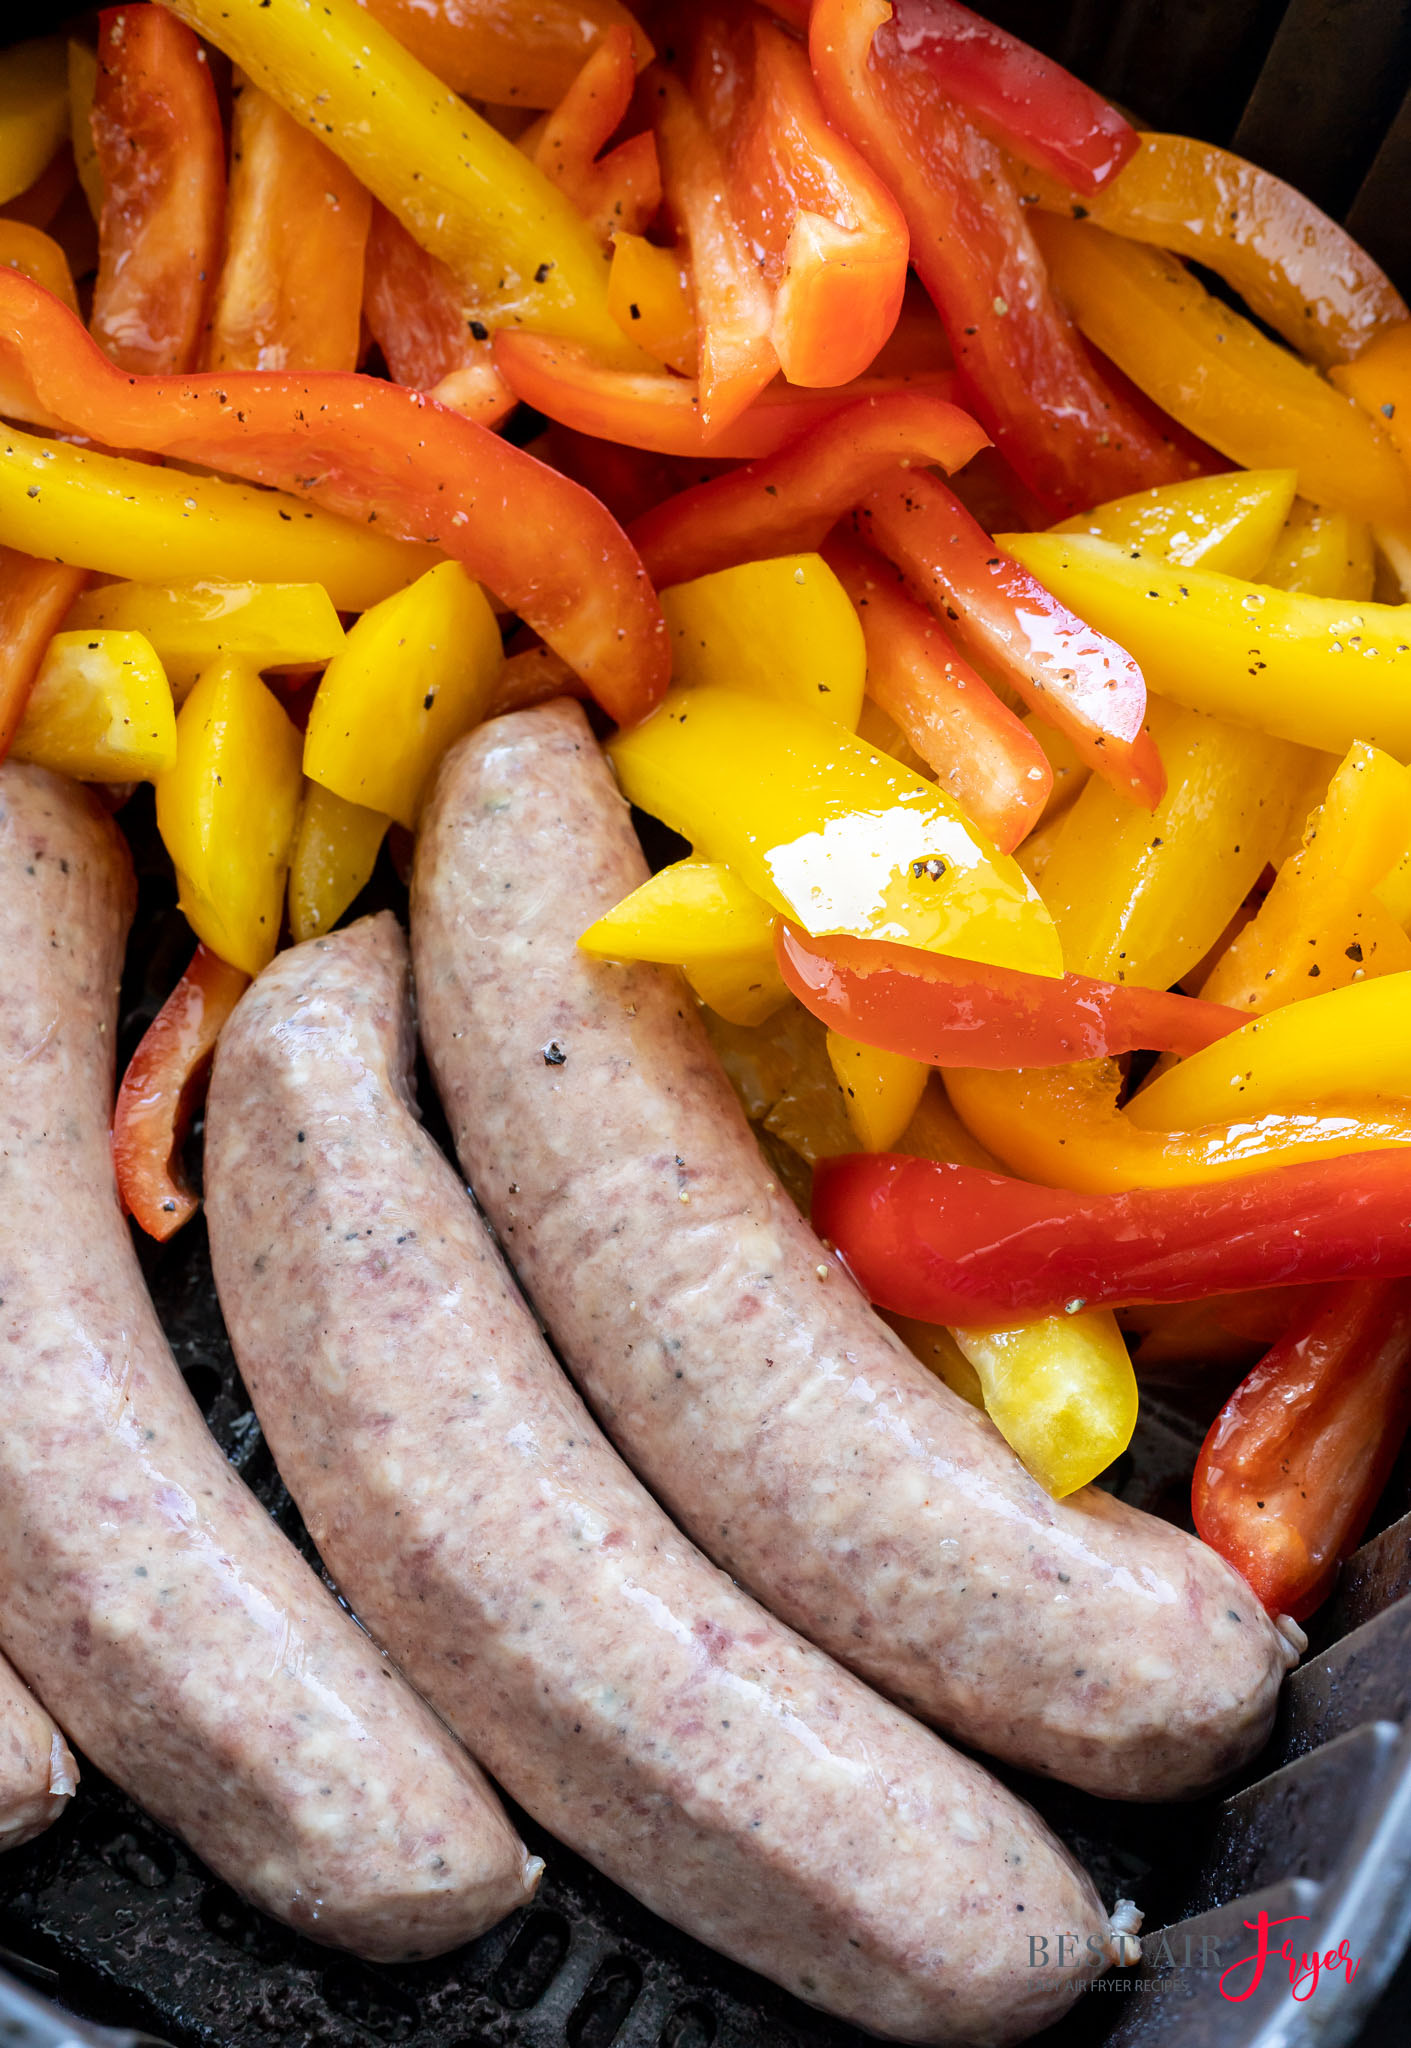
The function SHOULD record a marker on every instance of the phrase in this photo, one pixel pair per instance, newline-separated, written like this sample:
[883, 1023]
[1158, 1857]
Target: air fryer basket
[112, 1916]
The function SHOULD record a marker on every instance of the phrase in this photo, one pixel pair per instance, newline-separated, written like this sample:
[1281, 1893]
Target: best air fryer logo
[1161, 1959]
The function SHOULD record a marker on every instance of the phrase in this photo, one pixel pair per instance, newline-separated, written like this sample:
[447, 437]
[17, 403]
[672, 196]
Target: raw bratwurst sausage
[198, 1660]
[38, 1776]
[738, 1370]
[630, 1697]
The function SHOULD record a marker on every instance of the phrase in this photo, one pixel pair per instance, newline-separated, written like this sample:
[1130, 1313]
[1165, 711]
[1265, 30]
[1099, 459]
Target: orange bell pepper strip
[1295, 1461]
[784, 504]
[974, 745]
[1380, 381]
[161, 152]
[1071, 437]
[165, 1079]
[515, 56]
[34, 597]
[831, 239]
[1301, 273]
[39, 256]
[623, 188]
[289, 296]
[735, 356]
[415, 312]
[662, 414]
[1075, 678]
[374, 451]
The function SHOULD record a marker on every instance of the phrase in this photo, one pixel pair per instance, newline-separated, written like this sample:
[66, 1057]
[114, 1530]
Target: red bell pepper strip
[1033, 106]
[1294, 1462]
[830, 238]
[978, 750]
[369, 450]
[165, 1079]
[161, 150]
[957, 1013]
[950, 1244]
[415, 312]
[786, 503]
[1073, 439]
[661, 414]
[33, 599]
[1073, 676]
[623, 188]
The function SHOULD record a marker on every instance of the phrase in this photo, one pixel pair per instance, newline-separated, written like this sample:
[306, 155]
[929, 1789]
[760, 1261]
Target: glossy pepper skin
[503, 50]
[34, 597]
[950, 1244]
[1295, 1461]
[415, 312]
[369, 449]
[616, 192]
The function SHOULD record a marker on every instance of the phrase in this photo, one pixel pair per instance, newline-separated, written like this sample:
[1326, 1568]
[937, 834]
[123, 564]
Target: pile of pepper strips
[771, 276]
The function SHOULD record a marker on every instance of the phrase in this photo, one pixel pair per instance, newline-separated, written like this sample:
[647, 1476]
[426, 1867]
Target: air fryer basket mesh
[116, 1918]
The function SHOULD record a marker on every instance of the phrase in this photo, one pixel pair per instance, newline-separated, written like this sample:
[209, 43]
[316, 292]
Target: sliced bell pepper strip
[129, 519]
[1322, 671]
[1293, 267]
[1036, 108]
[192, 625]
[335, 851]
[1319, 553]
[830, 833]
[1295, 1461]
[692, 910]
[623, 188]
[649, 295]
[34, 596]
[165, 1079]
[39, 256]
[416, 314]
[949, 715]
[881, 1090]
[83, 88]
[34, 111]
[662, 415]
[735, 356]
[1069, 434]
[517, 245]
[289, 296]
[1215, 372]
[413, 675]
[950, 1013]
[1061, 1392]
[1077, 678]
[361, 446]
[1380, 382]
[787, 502]
[516, 56]
[534, 675]
[1231, 522]
[743, 988]
[161, 154]
[1062, 1126]
[100, 710]
[831, 240]
[784, 627]
[949, 1244]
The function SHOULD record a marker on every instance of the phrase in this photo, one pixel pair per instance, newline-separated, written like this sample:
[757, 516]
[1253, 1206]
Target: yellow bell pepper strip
[1066, 767]
[34, 111]
[1061, 1392]
[1319, 553]
[693, 910]
[335, 851]
[1321, 925]
[1214, 371]
[781, 628]
[835, 836]
[881, 1090]
[227, 811]
[192, 625]
[1354, 1040]
[517, 56]
[1293, 267]
[743, 988]
[100, 710]
[129, 519]
[1062, 1126]
[517, 244]
[360, 445]
[1380, 382]
[29, 249]
[1322, 671]
[1142, 896]
[83, 83]
[649, 296]
[1231, 522]
[413, 675]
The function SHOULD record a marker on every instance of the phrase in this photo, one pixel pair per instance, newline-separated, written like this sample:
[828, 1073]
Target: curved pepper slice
[165, 1079]
[515, 56]
[192, 625]
[1061, 1392]
[1320, 553]
[1230, 522]
[1042, 112]
[100, 710]
[950, 1013]
[620, 190]
[34, 597]
[335, 851]
[1294, 1462]
[1063, 668]
[786, 503]
[360, 446]
[161, 155]
[1293, 267]
[415, 312]
[27, 248]
[950, 1244]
